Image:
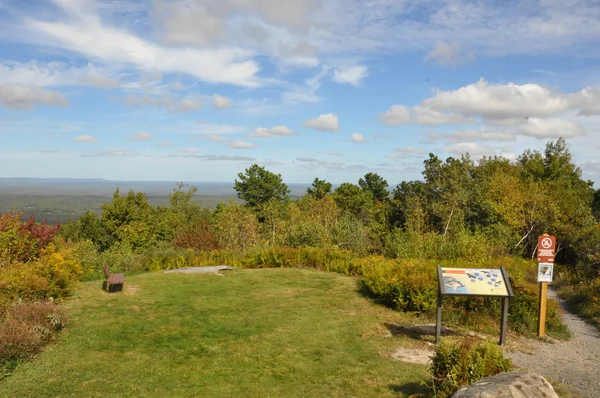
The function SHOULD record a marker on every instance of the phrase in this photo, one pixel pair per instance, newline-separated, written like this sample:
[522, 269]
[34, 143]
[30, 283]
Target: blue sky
[198, 90]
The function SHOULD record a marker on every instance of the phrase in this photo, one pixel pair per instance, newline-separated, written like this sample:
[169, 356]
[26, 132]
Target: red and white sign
[546, 249]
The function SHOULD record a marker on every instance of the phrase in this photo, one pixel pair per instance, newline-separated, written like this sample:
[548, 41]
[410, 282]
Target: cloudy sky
[198, 90]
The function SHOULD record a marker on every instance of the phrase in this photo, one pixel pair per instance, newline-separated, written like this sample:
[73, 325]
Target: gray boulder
[509, 385]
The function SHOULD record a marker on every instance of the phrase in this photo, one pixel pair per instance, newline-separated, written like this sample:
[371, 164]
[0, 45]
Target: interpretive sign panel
[545, 271]
[473, 282]
[546, 249]
[489, 282]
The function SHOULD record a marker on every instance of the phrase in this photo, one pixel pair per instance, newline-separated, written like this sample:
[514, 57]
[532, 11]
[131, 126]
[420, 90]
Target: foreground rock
[509, 385]
[200, 270]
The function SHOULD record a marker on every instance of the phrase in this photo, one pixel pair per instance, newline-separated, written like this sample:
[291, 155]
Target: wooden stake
[542, 307]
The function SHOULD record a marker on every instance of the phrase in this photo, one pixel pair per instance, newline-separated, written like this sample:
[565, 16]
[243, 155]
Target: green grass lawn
[252, 333]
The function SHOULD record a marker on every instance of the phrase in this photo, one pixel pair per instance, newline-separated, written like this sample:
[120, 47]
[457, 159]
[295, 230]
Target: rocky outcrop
[509, 385]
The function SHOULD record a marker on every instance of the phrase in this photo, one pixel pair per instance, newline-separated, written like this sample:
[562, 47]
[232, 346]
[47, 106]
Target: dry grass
[25, 330]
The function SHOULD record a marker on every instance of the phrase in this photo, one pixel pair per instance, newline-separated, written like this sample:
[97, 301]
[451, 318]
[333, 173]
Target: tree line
[490, 207]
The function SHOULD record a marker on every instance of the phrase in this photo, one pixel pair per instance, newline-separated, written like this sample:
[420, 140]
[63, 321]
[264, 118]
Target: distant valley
[61, 199]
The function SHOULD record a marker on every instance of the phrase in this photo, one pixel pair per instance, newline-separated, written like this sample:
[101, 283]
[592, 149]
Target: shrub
[51, 276]
[456, 365]
[23, 242]
[198, 235]
[25, 330]
[458, 246]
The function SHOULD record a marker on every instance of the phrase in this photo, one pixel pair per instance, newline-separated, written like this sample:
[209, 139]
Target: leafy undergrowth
[256, 333]
[457, 365]
[583, 299]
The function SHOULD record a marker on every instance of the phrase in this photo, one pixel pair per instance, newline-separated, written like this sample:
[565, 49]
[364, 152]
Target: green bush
[458, 246]
[456, 365]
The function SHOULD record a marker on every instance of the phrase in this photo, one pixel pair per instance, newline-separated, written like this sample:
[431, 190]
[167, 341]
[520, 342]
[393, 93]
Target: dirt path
[575, 362]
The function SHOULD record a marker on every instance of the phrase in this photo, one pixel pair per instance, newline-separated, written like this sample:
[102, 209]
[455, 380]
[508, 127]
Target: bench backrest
[105, 269]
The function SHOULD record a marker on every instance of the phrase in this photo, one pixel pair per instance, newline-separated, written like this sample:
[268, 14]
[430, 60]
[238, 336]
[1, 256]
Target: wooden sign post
[546, 253]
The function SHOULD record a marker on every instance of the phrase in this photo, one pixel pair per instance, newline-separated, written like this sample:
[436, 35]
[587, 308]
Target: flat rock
[413, 355]
[509, 385]
[200, 270]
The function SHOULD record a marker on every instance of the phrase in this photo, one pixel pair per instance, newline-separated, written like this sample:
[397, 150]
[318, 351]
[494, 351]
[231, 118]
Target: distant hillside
[58, 199]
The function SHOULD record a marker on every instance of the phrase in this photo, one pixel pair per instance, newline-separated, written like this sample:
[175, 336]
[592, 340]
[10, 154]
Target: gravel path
[575, 362]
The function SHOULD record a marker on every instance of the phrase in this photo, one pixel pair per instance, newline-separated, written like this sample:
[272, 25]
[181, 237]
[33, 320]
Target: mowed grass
[251, 333]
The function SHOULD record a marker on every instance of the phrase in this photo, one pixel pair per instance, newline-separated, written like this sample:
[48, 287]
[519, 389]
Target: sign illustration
[546, 249]
[473, 281]
[545, 272]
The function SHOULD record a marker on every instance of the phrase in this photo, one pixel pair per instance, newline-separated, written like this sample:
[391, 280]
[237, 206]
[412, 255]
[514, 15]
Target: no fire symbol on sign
[546, 249]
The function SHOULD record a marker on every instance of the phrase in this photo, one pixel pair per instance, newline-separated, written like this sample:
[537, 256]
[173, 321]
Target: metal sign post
[474, 282]
[545, 256]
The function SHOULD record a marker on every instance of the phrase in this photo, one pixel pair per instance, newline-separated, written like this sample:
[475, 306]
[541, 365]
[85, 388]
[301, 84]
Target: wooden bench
[113, 282]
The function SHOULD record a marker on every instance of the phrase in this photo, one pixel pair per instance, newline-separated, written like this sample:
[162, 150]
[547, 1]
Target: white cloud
[190, 32]
[53, 74]
[587, 100]
[118, 152]
[334, 153]
[165, 144]
[174, 105]
[300, 54]
[480, 135]
[430, 117]
[184, 105]
[140, 136]
[241, 144]
[472, 149]
[448, 54]
[412, 150]
[84, 33]
[189, 150]
[404, 153]
[291, 14]
[217, 138]
[262, 132]
[214, 129]
[308, 92]
[177, 85]
[357, 137]
[550, 128]
[396, 156]
[499, 101]
[85, 138]
[18, 96]
[352, 75]
[191, 23]
[395, 115]
[99, 81]
[326, 122]
[221, 102]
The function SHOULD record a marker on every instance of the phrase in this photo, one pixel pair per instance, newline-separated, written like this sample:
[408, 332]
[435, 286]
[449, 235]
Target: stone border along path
[575, 363]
